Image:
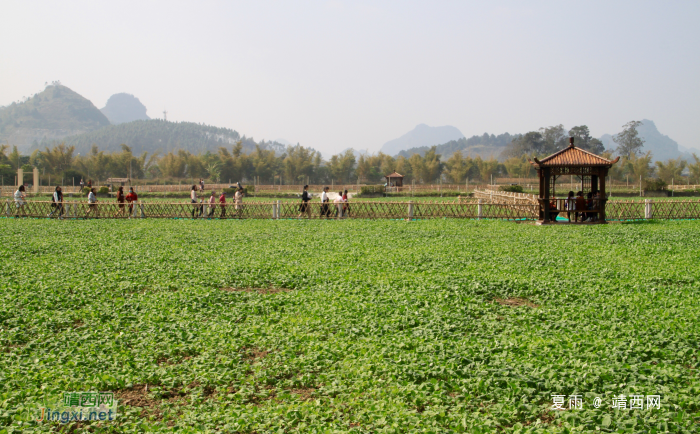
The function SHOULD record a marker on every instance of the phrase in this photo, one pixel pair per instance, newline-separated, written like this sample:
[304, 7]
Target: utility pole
[165, 115]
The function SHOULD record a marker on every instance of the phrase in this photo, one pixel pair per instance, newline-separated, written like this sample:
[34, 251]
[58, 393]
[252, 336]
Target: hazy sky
[335, 74]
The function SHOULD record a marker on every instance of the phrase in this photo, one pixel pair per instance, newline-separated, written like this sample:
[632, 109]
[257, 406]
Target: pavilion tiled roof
[394, 175]
[573, 156]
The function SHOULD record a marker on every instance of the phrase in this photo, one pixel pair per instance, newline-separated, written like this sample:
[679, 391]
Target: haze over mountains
[124, 107]
[487, 145]
[52, 114]
[662, 147]
[60, 114]
[421, 135]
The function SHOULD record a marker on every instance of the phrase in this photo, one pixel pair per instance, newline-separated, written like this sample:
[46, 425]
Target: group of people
[127, 202]
[57, 205]
[341, 206]
[198, 211]
[583, 208]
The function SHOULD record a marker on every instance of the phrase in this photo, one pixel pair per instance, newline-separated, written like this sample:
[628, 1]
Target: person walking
[57, 203]
[201, 185]
[212, 204]
[346, 206]
[325, 211]
[193, 200]
[20, 200]
[92, 204]
[131, 198]
[120, 202]
[339, 205]
[238, 198]
[305, 207]
[222, 204]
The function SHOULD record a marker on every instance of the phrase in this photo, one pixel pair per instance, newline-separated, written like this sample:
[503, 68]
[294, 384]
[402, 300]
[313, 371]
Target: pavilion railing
[495, 196]
[475, 209]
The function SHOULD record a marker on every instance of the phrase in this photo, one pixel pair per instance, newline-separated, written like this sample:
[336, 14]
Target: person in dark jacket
[305, 207]
[57, 204]
[120, 202]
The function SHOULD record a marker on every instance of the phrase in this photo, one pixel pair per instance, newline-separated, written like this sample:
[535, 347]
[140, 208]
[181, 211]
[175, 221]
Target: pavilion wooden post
[594, 183]
[547, 178]
[602, 198]
[541, 174]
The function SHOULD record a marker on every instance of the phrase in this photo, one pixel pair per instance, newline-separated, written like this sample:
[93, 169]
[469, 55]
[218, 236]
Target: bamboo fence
[460, 209]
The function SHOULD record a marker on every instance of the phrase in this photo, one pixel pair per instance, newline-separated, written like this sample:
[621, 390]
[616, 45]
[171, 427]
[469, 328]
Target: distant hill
[662, 147]
[485, 146]
[157, 134]
[421, 135]
[124, 107]
[52, 114]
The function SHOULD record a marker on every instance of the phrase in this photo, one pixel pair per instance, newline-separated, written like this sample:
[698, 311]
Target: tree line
[300, 165]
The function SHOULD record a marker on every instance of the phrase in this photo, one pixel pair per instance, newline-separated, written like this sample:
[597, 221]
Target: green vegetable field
[359, 326]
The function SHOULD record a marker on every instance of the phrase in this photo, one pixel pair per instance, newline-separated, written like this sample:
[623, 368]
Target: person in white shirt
[325, 211]
[193, 199]
[92, 204]
[20, 195]
[339, 205]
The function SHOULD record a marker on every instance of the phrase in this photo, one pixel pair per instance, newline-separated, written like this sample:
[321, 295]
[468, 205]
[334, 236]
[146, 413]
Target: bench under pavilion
[590, 170]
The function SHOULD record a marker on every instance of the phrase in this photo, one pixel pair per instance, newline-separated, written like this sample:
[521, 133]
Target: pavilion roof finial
[571, 142]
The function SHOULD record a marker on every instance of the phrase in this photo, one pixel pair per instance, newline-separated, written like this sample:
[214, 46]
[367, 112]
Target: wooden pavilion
[591, 171]
[394, 180]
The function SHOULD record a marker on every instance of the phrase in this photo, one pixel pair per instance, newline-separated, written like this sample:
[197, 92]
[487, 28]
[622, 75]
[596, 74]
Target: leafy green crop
[360, 326]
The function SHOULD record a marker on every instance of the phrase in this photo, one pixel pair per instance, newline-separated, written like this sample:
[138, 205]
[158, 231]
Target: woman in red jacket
[131, 198]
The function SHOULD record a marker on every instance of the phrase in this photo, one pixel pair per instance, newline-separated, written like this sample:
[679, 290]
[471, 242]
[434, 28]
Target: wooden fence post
[480, 209]
[410, 210]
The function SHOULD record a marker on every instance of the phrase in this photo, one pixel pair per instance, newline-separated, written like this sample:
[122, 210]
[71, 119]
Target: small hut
[394, 180]
[589, 169]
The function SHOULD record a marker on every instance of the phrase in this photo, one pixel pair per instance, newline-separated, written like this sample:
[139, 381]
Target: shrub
[233, 190]
[654, 184]
[86, 190]
[372, 189]
[103, 190]
[512, 188]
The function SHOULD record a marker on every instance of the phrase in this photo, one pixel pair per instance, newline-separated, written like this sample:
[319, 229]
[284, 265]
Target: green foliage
[372, 189]
[393, 327]
[512, 188]
[72, 177]
[103, 190]
[231, 191]
[628, 141]
[485, 144]
[671, 170]
[583, 140]
[654, 184]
